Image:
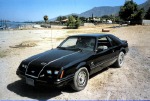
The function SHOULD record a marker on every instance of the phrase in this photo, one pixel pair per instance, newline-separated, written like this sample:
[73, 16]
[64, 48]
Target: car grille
[33, 70]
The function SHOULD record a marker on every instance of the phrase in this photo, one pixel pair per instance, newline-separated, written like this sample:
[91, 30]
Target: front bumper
[57, 83]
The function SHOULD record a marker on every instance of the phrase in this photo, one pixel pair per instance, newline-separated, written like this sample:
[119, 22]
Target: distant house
[97, 19]
[109, 21]
[65, 20]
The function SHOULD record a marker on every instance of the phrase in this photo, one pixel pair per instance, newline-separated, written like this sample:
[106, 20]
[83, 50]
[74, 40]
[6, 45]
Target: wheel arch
[83, 64]
[123, 50]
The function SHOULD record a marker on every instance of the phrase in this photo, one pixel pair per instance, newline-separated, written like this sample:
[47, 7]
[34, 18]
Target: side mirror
[101, 48]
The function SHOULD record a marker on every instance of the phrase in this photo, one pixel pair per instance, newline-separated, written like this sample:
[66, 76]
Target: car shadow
[101, 71]
[39, 93]
[42, 92]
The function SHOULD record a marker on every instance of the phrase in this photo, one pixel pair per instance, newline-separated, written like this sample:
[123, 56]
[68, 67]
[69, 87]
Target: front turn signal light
[62, 73]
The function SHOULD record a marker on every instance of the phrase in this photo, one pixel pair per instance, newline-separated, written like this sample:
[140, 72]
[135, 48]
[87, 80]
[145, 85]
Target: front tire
[80, 79]
[119, 62]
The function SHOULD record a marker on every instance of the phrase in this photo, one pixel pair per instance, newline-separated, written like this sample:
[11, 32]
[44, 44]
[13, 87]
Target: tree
[92, 18]
[128, 10]
[73, 22]
[78, 22]
[82, 19]
[147, 15]
[131, 12]
[75, 16]
[138, 15]
[45, 18]
[105, 17]
[64, 17]
[60, 18]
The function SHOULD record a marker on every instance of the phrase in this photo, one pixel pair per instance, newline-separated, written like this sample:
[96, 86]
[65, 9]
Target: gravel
[128, 82]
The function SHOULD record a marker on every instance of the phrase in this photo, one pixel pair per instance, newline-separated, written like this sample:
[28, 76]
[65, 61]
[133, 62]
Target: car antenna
[51, 38]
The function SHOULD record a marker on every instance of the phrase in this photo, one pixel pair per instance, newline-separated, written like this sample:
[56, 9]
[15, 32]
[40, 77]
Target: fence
[146, 22]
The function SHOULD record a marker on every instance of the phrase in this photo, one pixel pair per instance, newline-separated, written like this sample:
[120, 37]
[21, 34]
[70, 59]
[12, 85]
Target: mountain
[100, 11]
[108, 10]
[145, 5]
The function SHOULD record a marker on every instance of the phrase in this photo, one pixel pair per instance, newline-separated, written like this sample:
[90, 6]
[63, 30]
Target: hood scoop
[43, 63]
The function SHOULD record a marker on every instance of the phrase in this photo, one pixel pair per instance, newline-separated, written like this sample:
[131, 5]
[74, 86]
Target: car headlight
[56, 72]
[49, 72]
[24, 66]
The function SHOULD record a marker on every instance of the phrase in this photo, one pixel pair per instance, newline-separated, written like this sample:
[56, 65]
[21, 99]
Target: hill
[107, 10]
[100, 11]
[145, 5]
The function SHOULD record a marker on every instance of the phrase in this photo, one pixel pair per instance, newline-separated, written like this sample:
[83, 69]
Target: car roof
[92, 35]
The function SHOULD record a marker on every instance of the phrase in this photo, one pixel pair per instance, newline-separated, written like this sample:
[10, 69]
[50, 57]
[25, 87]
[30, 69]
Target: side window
[113, 42]
[103, 43]
[102, 39]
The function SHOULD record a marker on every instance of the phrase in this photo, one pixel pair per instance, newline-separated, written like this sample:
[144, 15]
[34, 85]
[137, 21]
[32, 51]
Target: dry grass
[84, 31]
[129, 82]
[95, 29]
[25, 44]
[2, 54]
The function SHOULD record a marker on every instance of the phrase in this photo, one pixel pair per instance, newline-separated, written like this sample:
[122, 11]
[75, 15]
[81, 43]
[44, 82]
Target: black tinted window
[113, 42]
[103, 41]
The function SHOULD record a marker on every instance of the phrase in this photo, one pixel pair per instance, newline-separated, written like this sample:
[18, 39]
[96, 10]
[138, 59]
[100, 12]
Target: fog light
[24, 66]
[49, 72]
[56, 72]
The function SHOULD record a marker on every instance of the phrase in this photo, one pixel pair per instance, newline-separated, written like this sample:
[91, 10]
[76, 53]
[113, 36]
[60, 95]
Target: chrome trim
[103, 62]
[30, 63]
[46, 64]
[31, 76]
[55, 60]
[64, 79]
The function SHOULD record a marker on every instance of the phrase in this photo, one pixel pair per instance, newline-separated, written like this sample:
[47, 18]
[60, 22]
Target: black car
[74, 60]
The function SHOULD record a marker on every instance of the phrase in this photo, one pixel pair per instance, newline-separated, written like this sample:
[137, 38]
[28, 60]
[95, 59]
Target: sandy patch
[129, 82]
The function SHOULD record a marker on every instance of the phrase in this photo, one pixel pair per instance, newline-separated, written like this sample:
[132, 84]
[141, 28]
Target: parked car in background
[74, 60]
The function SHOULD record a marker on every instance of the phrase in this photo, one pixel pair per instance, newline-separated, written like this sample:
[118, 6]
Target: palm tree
[45, 18]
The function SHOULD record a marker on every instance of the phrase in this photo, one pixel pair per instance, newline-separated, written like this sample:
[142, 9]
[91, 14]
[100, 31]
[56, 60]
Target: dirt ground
[130, 82]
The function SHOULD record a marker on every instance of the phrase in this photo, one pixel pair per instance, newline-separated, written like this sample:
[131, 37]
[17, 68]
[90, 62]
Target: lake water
[14, 24]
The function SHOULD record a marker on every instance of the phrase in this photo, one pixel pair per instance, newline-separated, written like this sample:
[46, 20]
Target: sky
[34, 10]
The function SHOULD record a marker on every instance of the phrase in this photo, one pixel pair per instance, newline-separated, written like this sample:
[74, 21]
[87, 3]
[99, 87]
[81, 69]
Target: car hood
[54, 59]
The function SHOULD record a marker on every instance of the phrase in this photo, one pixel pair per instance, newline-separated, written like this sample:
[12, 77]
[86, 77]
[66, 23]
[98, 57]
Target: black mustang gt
[74, 60]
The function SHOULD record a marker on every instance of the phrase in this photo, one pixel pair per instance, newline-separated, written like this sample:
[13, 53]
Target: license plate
[30, 81]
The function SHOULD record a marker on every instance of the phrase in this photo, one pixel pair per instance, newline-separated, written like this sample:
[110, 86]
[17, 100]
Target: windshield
[83, 43]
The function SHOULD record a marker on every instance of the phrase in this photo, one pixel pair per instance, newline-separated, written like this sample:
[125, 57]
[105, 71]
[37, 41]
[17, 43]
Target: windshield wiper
[66, 48]
[77, 49]
[62, 47]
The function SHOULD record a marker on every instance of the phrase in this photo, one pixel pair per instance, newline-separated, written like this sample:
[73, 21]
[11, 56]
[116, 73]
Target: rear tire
[80, 79]
[119, 62]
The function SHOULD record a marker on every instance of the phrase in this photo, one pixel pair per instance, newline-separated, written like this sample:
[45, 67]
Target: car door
[103, 55]
[115, 50]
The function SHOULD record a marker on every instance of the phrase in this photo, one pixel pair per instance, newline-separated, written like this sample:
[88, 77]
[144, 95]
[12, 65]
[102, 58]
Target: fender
[123, 49]
[80, 65]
